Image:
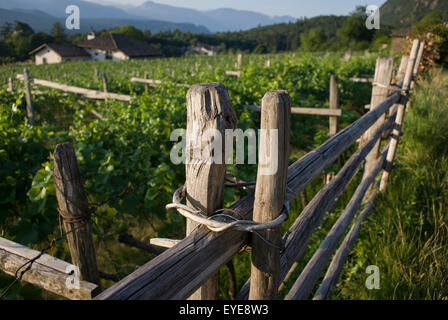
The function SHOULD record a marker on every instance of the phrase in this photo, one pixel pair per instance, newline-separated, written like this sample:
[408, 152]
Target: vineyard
[128, 147]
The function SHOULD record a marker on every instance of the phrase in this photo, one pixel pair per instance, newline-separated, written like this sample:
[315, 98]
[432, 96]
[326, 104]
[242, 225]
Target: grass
[406, 235]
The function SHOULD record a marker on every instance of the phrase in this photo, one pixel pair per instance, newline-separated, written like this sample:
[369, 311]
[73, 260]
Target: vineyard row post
[75, 212]
[270, 195]
[29, 102]
[105, 84]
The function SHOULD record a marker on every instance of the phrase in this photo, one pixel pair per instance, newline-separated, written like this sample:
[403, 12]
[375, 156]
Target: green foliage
[430, 20]
[354, 32]
[313, 41]
[130, 31]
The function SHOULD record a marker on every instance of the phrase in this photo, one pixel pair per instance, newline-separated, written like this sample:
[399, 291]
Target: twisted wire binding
[219, 226]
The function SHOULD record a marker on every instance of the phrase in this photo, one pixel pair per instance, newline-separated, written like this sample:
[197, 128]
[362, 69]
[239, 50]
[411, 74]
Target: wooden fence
[188, 268]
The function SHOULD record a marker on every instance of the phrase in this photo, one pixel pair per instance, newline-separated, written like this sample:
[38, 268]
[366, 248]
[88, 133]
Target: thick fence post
[105, 84]
[402, 68]
[74, 210]
[380, 91]
[209, 114]
[146, 85]
[270, 193]
[334, 104]
[10, 85]
[29, 102]
[239, 61]
[400, 116]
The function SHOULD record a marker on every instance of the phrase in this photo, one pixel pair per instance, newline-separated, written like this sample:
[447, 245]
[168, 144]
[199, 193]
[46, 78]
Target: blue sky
[295, 8]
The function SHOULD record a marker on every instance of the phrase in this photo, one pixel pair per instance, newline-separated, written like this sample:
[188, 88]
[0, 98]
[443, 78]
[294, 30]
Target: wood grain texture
[72, 201]
[383, 77]
[28, 98]
[208, 108]
[179, 271]
[270, 193]
[334, 104]
[45, 277]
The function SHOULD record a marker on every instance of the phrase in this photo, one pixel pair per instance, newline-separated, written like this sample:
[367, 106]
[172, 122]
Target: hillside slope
[402, 13]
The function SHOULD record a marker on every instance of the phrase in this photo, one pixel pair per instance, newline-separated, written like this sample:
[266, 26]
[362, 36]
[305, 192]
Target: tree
[354, 32]
[57, 32]
[22, 29]
[5, 29]
[432, 19]
[314, 40]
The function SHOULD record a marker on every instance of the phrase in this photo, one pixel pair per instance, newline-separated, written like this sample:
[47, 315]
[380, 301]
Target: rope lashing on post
[218, 226]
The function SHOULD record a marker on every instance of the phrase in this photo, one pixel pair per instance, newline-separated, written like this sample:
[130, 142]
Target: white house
[56, 53]
[104, 47]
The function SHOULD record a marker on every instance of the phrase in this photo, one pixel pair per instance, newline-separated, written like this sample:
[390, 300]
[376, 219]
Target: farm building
[55, 53]
[118, 47]
[104, 47]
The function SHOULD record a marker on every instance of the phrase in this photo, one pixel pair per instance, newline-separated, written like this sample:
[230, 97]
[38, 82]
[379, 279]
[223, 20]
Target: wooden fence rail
[91, 94]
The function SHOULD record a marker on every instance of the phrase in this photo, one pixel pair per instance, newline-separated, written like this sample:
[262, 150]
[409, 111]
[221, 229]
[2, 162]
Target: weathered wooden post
[10, 85]
[239, 61]
[400, 116]
[421, 50]
[146, 85]
[380, 92]
[105, 84]
[74, 210]
[29, 102]
[270, 193]
[209, 113]
[402, 68]
[334, 104]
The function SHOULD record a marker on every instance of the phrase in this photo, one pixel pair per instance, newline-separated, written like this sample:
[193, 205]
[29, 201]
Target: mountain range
[149, 15]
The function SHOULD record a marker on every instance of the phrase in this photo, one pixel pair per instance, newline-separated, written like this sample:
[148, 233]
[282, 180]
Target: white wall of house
[47, 55]
[100, 55]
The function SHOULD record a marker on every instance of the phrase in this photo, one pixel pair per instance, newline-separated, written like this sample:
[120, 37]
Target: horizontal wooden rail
[158, 82]
[312, 271]
[46, 272]
[363, 80]
[88, 93]
[179, 271]
[234, 73]
[311, 111]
